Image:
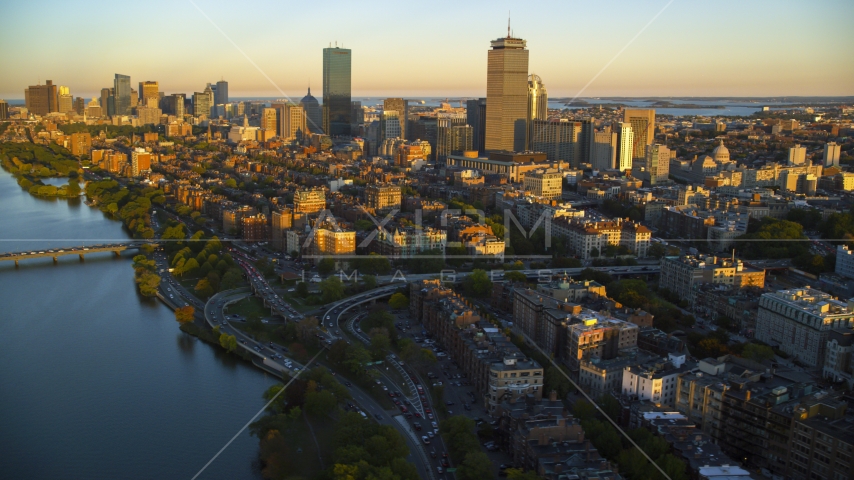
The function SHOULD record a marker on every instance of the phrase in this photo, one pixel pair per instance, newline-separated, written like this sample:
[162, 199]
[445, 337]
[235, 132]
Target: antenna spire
[508, 23]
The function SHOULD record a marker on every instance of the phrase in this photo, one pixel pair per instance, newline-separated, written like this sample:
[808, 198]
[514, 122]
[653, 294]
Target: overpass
[498, 275]
[55, 253]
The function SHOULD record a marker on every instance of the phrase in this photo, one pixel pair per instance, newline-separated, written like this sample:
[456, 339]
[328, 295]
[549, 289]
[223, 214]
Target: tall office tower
[221, 97]
[564, 140]
[453, 135]
[41, 99]
[400, 106]
[269, 120]
[643, 128]
[506, 94]
[625, 146]
[831, 154]
[357, 116]
[64, 101]
[313, 113]
[476, 118]
[337, 109]
[657, 163]
[604, 156]
[105, 101]
[203, 101]
[121, 87]
[175, 104]
[291, 121]
[797, 155]
[79, 105]
[389, 125]
[538, 106]
[148, 89]
[4, 110]
[134, 98]
[93, 110]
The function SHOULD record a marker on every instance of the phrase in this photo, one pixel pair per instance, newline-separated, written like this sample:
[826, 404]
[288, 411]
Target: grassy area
[296, 302]
[251, 308]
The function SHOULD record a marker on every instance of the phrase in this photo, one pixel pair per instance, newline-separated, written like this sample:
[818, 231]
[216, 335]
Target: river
[97, 382]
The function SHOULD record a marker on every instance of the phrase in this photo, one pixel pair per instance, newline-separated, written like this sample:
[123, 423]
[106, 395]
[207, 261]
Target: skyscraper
[64, 101]
[564, 140]
[538, 106]
[657, 164]
[147, 90]
[313, 113]
[643, 128]
[400, 106]
[389, 125]
[337, 109]
[106, 93]
[121, 86]
[476, 118]
[203, 101]
[604, 156]
[269, 119]
[41, 99]
[506, 94]
[4, 110]
[221, 97]
[625, 146]
[290, 121]
[357, 117]
[797, 155]
[453, 135]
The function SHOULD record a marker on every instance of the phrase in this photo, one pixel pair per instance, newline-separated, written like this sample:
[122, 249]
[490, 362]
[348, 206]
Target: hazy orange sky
[437, 48]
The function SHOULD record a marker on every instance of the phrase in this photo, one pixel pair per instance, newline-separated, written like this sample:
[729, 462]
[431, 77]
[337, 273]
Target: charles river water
[96, 381]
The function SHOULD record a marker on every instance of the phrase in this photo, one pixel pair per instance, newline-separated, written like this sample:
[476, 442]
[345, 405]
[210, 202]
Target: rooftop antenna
[508, 23]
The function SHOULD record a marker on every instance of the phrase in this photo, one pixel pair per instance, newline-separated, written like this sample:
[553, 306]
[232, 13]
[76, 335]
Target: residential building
[546, 183]
[844, 261]
[328, 239]
[643, 130]
[390, 125]
[269, 120]
[798, 322]
[232, 219]
[564, 140]
[839, 357]
[337, 108]
[538, 107]
[381, 197]
[202, 102]
[683, 275]
[453, 136]
[400, 106]
[254, 228]
[625, 146]
[309, 201]
[656, 165]
[41, 99]
[583, 237]
[832, 151]
[797, 155]
[80, 143]
[652, 382]
[408, 242]
[282, 220]
[291, 121]
[598, 338]
[605, 148]
[140, 162]
[506, 95]
[65, 101]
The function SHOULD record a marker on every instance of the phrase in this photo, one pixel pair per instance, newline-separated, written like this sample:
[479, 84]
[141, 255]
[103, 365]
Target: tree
[204, 288]
[326, 266]
[478, 284]
[185, 314]
[757, 353]
[514, 276]
[332, 289]
[306, 329]
[516, 474]
[319, 403]
[228, 342]
[370, 282]
[302, 289]
[380, 345]
[475, 466]
[398, 301]
[656, 250]
[594, 252]
[232, 279]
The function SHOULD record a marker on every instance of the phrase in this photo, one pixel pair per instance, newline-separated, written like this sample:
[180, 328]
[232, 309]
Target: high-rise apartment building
[389, 125]
[41, 99]
[538, 106]
[106, 94]
[65, 102]
[80, 143]
[643, 129]
[380, 197]
[797, 155]
[140, 162]
[476, 119]
[221, 97]
[604, 154]
[625, 146]
[269, 120]
[313, 112]
[283, 220]
[4, 110]
[657, 164]
[122, 94]
[400, 106]
[506, 95]
[831, 154]
[79, 105]
[453, 135]
[148, 90]
[337, 107]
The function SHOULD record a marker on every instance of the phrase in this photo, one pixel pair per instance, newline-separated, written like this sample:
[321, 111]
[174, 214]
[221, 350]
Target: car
[445, 463]
[425, 439]
[449, 402]
[439, 469]
[431, 434]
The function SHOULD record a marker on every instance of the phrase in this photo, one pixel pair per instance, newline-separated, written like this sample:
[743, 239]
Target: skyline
[768, 49]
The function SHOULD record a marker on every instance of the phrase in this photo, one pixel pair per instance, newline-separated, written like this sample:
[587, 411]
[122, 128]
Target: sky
[436, 48]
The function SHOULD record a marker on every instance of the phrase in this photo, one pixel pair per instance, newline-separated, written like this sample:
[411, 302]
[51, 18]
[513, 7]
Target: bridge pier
[81, 257]
[118, 253]
[16, 262]
[55, 259]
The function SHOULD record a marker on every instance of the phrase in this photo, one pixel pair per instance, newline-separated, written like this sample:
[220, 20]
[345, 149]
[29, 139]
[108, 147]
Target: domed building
[313, 114]
[721, 153]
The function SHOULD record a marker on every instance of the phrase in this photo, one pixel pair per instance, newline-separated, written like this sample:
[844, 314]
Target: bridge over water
[81, 251]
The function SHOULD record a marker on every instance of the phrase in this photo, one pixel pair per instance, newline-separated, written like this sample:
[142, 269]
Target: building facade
[506, 95]
[337, 108]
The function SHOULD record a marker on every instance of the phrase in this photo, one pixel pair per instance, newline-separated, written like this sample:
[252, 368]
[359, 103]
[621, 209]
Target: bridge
[55, 253]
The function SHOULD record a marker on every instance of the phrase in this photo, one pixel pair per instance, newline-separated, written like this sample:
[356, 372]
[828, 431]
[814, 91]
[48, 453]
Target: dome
[721, 153]
[308, 98]
[313, 113]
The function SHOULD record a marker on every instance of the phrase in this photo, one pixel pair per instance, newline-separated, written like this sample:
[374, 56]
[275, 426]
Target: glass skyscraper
[221, 93]
[506, 95]
[122, 94]
[337, 109]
